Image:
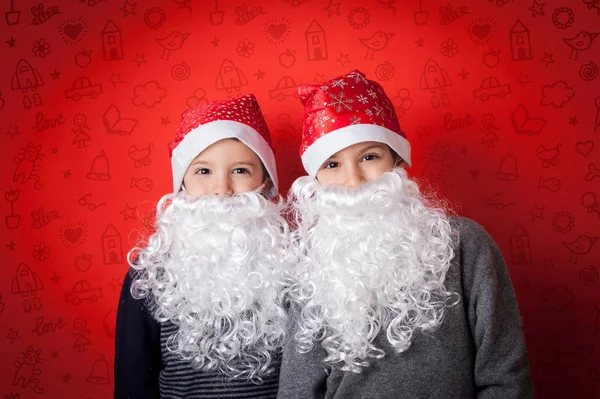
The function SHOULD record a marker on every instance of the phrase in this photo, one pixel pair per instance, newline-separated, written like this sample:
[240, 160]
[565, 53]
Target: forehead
[360, 147]
[227, 150]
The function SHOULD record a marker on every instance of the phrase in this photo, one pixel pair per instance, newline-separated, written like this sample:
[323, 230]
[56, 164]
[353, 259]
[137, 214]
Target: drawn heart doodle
[73, 31]
[481, 31]
[73, 234]
[277, 30]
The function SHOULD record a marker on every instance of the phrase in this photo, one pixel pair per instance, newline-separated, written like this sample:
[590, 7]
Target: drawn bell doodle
[112, 42]
[508, 170]
[316, 43]
[100, 170]
[100, 374]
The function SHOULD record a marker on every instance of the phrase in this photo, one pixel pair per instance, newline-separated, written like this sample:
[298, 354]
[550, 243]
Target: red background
[523, 162]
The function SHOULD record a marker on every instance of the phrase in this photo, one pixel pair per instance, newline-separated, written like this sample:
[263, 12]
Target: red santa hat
[343, 111]
[207, 123]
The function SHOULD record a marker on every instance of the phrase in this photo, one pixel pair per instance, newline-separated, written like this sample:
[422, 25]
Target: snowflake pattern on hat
[347, 100]
[244, 109]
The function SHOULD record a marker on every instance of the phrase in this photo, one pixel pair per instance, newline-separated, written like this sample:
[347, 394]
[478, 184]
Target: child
[200, 314]
[391, 297]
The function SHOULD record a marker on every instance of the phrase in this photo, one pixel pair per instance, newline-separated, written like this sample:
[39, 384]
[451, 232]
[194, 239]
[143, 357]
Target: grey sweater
[477, 352]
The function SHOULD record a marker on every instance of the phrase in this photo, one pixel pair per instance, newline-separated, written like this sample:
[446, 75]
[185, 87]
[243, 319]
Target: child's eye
[203, 171]
[240, 170]
[331, 165]
[370, 157]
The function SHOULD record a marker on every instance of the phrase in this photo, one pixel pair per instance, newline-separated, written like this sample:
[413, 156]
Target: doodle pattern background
[500, 99]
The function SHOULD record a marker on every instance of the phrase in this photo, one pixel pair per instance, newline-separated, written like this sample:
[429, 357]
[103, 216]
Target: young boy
[391, 297]
[200, 314]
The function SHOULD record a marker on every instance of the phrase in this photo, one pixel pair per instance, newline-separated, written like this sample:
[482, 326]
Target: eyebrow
[369, 148]
[208, 163]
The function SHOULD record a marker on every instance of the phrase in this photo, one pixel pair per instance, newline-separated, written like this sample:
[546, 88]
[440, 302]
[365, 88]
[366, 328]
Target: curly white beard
[214, 267]
[370, 258]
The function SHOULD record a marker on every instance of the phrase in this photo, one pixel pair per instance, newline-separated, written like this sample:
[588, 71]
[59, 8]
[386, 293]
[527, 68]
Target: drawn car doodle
[286, 87]
[83, 291]
[83, 87]
[491, 87]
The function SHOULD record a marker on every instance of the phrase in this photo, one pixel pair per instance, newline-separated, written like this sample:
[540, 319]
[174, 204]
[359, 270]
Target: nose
[354, 176]
[223, 187]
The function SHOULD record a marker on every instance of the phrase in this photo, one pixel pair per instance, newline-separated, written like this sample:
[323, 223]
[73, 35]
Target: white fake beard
[369, 258]
[214, 267]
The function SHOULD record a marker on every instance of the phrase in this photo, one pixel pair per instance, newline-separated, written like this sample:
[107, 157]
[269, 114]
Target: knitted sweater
[477, 352]
[145, 369]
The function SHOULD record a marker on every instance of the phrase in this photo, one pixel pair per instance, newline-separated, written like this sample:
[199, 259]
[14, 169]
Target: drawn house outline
[112, 248]
[112, 42]
[316, 45]
[520, 44]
